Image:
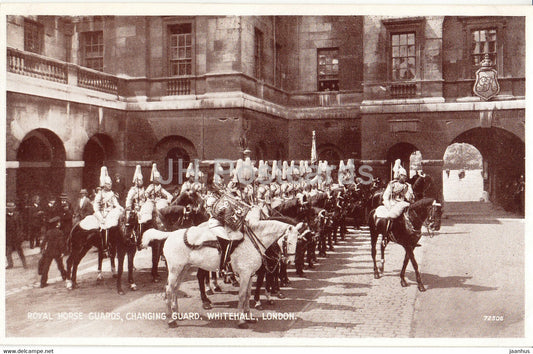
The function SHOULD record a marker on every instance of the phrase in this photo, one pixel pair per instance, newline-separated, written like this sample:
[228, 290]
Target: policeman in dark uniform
[67, 213]
[13, 235]
[53, 248]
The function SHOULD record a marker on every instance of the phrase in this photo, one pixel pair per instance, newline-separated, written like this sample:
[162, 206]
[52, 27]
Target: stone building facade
[83, 91]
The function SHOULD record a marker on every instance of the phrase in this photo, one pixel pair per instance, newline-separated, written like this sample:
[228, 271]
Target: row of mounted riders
[325, 215]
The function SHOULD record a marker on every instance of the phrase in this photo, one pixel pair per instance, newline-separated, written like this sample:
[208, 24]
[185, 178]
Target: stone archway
[99, 149]
[504, 160]
[172, 152]
[41, 155]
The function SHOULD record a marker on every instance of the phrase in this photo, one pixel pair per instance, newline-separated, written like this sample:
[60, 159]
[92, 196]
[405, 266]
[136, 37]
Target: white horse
[182, 250]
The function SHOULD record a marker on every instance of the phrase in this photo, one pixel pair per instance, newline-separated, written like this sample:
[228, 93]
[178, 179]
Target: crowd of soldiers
[286, 190]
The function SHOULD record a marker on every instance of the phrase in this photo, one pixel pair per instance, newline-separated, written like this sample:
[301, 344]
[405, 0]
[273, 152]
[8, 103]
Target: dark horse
[407, 231]
[81, 241]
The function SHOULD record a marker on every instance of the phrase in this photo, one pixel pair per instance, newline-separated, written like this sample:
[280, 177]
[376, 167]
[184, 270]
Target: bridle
[261, 248]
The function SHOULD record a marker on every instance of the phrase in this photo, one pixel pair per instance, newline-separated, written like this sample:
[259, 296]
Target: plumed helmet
[137, 175]
[155, 176]
[342, 167]
[285, 170]
[190, 171]
[275, 170]
[104, 176]
[398, 169]
[246, 173]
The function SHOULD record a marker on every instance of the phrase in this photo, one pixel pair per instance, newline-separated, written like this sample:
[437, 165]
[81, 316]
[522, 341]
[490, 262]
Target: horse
[79, 243]
[406, 230]
[197, 247]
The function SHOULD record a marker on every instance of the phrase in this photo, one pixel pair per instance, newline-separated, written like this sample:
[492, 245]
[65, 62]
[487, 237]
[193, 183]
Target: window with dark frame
[180, 49]
[484, 41]
[258, 54]
[403, 56]
[92, 47]
[33, 36]
[328, 69]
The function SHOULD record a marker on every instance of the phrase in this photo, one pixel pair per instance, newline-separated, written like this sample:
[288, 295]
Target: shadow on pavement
[433, 281]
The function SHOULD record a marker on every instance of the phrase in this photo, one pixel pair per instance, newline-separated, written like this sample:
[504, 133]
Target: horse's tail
[153, 235]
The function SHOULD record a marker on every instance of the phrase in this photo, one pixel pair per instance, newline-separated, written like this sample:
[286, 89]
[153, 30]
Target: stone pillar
[11, 180]
[73, 179]
[433, 168]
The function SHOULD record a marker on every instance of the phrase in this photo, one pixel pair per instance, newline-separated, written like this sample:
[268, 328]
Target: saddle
[213, 243]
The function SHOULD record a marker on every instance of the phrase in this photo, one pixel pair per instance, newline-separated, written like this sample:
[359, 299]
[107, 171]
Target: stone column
[73, 179]
[433, 168]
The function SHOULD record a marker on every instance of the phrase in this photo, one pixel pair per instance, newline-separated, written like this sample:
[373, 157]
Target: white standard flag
[314, 157]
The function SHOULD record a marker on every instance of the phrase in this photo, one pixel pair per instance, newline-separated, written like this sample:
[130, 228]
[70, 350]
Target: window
[92, 46]
[403, 56]
[483, 42]
[180, 49]
[406, 41]
[258, 54]
[33, 37]
[328, 69]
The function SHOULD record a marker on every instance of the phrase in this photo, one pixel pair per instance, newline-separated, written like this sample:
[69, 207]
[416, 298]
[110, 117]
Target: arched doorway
[169, 152]
[173, 158]
[41, 156]
[329, 153]
[410, 156]
[97, 151]
[503, 162]
[463, 175]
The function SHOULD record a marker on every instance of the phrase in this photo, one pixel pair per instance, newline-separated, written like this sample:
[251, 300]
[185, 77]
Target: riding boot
[224, 250]
[389, 233]
[104, 244]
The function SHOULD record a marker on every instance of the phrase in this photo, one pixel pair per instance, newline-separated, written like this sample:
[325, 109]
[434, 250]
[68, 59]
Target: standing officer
[36, 216]
[66, 214]
[13, 235]
[53, 249]
[83, 207]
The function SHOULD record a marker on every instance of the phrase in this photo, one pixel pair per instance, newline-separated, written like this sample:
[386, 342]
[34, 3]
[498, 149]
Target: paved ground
[473, 268]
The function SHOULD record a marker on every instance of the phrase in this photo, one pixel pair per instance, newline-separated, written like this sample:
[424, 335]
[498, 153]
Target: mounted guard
[397, 196]
[107, 210]
[136, 198]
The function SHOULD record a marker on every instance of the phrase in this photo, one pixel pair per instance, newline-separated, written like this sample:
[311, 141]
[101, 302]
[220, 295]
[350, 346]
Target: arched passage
[462, 177]
[409, 154]
[330, 153]
[98, 150]
[41, 156]
[171, 152]
[503, 161]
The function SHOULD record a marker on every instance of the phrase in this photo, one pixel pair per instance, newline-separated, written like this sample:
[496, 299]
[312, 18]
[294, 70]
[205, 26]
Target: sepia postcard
[264, 175]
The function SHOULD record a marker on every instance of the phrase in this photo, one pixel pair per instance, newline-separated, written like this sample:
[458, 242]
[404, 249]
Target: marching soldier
[14, 235]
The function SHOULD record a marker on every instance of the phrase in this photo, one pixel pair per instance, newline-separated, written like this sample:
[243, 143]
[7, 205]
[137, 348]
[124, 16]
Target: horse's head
[434, 217]
[290, 237]
[129, 226]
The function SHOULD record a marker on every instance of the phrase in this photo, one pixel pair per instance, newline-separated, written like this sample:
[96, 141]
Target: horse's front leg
[244, 297]
[173, 283]
[421, 286]
[374, 241]
[202, 274]
[120, 254]
[383, 246]
[402, 273]
[131, 257]
[156, 254]
[112, 254]
[214, 284]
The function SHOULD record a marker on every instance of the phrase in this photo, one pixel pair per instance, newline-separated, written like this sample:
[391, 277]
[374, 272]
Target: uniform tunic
[396, 197]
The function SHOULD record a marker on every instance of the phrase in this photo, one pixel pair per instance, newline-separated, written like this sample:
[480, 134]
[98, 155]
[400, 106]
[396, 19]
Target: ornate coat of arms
[486, 85]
